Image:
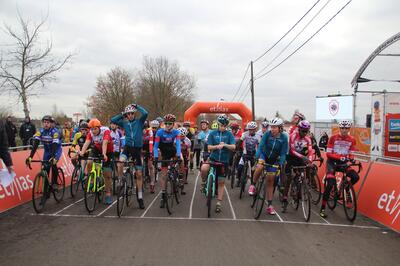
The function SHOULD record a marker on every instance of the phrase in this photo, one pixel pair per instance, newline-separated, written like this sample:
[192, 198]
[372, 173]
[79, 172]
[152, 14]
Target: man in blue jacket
[133, 143]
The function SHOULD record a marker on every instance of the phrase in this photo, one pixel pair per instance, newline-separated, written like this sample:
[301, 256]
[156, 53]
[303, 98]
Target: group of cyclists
[130, 136]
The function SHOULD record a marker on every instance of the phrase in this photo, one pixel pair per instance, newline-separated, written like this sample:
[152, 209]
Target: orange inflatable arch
[197, 108]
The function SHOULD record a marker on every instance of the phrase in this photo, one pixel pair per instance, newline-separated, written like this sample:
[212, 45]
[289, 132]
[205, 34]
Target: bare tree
[26, 66]
[113, 93]
[163, 88]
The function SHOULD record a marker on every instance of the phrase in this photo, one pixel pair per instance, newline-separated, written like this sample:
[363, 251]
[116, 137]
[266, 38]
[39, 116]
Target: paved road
[66, 235]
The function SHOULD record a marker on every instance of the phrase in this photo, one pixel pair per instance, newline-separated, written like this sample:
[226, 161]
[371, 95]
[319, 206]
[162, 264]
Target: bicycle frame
[97, 169]
[211, 178]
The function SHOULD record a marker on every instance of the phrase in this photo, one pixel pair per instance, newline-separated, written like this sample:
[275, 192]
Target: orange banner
[20, 190]
[362, 136]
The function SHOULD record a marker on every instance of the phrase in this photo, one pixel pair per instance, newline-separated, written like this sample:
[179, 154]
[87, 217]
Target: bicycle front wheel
[122, 192]
[315, 188]
[40, 192]
[294, 194]
[332, 200]
[349, 202]
[209, 194]
[59, 188]
[75, 181]
[129, 189]
[232, 174]
[259, 198]
[169, 195]
[243, 180]
[305, 201]
[90, 193]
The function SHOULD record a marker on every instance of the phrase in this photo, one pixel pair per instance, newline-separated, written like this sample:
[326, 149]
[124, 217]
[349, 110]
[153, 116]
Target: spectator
[4, 154]
[314, 145]
[323, 141]
[11, 130]
[26, 131]
[67, 131]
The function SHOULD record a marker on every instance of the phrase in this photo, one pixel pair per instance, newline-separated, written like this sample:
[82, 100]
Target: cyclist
[147, 150]
[300, 154]
[190, 136]
[100, 137]
[168, 141]
[220, 143]
[237, 133]
[116, 136]
[340, 150]
[264, 128]
[250, 143]
[185, 149]
[297, 117]
[79, 139]
[154, 126]
[272, 150]
[133, 143]
[50, 137]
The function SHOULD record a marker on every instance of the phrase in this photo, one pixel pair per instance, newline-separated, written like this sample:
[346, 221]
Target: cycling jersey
[165, 141]
[97, 140]
[292, 129]
[216, 137]
[78, 140]
[133, 129]
[300, 147]
[250, 143]
[272, 149]
[116, 138]
[341, 146]
[185, 147]
[50, 139]
[148, 140]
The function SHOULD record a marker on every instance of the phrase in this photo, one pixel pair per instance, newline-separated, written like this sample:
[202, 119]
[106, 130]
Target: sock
[269, 202]
[140, 194]
[323, 204]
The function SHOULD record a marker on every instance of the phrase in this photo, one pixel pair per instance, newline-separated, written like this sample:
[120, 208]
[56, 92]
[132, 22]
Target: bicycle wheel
[332, 200]
[349, 202]
[305, 201]
[40, 192]
[59, 188]
[100, 193]
[169, 195]
[243, 180]
[121, 197]
[129, 188]
[90, 193]
[314, 184]
[75, 181]
[260, 198]
[294, 193]
[232, 175]
[209, 194]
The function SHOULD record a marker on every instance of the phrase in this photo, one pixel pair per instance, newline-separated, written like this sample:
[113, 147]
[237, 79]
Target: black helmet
[83, 125]
[47, 118]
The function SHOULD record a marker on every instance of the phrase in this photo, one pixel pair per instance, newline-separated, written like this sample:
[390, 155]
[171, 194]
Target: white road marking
[68, 206]
[230, 203]
[151, 204]
[194, 192]
[320, 217]
[106, 209]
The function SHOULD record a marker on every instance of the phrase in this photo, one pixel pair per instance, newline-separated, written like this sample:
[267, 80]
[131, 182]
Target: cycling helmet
[304, 125]
[276, 122]
[182, 131]
[214, 126]
[234, 125]
[155, 123]
[94, 123]
[130, 109]
[83, 125]
[47, 118]
[223, 120]
[376, 104]
[204, 121]
[251, 125]
[169, 118]
[264, 124]
[345, 124]
[186, 124]
[160, 119]
[300, 115]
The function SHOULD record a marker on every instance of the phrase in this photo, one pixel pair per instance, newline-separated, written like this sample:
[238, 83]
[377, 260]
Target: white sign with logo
[329, 108]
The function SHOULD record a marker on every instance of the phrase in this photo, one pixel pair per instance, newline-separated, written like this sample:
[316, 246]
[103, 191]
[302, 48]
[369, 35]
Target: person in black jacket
[4, 154]
[27, 131]
[323, 141]
[11, 130]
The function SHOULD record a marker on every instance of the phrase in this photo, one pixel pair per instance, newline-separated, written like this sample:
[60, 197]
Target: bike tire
[169, 195]
[315, 188]
[121, 197]
[349, 209]
[332, 200]
[90, 194]
[58, 193]
[75, 182]
[209, 194]
[40, 191]
[260, 198]
[232, 174]
[294, 194]
[243, 180]
[129, 188]
[305, 201]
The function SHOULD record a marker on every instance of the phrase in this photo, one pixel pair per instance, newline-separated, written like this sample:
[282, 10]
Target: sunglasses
[168, 123]
[344, 128]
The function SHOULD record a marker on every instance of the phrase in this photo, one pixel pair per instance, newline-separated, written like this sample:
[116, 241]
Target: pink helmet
[304, 125]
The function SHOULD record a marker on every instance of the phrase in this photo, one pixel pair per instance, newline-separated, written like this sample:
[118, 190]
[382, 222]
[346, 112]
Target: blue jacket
[273, 148]
[216, 137]
[133, 129]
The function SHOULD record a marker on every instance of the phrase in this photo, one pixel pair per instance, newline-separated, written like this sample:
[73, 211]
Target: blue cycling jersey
[48, 137]
[216, 137]
[167, 139]
[273, 148]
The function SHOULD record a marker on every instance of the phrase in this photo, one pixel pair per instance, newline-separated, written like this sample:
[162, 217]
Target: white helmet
[182, 131]
[265, 124]
[154, 123]
[251, 125]
[345, 123]
[276, 122]
[130, 109]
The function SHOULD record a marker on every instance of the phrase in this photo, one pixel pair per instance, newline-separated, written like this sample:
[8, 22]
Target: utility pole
[252, 92]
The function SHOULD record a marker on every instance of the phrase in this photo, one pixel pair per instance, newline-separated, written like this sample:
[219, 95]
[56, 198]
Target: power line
[312, 36]
[241, 83]
[258, 58]
[295, 37]
[247, 93]
[240, 99]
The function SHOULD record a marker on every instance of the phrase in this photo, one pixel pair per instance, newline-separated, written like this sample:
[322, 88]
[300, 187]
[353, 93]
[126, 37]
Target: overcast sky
[215, 41]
